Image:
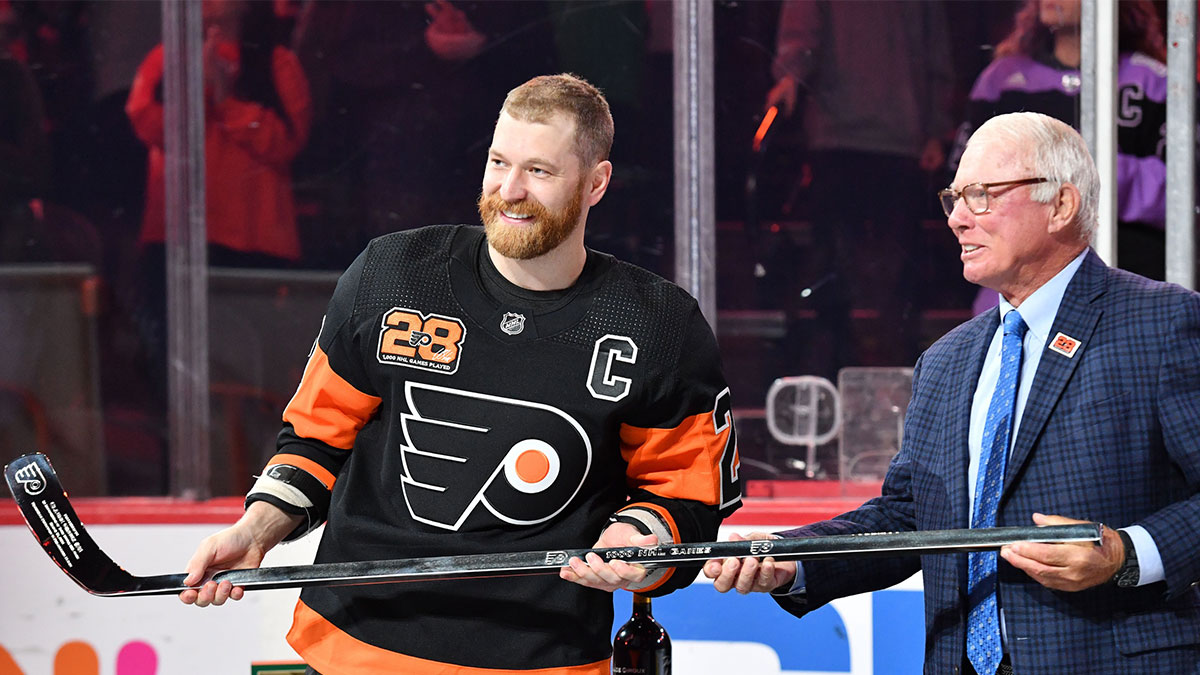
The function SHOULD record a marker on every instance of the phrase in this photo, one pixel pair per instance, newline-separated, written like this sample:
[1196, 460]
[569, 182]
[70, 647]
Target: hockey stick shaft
[53, 520]
[549, 562]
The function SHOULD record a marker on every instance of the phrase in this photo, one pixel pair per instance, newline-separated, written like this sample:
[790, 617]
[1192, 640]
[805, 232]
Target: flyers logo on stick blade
[30, 477]
[497, 459]
[429, 342]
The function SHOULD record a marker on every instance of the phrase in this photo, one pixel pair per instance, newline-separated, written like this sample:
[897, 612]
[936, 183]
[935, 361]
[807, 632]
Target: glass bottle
[641, 646]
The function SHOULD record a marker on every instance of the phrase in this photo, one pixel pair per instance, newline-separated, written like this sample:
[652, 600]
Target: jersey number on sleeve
[731, 486]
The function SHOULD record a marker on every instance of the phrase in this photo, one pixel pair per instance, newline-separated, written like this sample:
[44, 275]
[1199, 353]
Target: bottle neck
[641, 605]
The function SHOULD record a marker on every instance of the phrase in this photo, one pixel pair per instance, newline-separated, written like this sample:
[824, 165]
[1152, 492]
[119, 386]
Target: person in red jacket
[257, 117]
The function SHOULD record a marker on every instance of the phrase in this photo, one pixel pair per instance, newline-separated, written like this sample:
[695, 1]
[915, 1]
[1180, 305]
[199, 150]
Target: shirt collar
[1040, 308]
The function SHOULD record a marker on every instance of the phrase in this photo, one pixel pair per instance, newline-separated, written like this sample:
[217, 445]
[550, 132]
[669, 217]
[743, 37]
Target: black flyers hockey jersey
[440, 418]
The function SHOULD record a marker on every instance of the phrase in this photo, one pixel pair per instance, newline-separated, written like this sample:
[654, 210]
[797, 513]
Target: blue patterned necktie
[983, 621]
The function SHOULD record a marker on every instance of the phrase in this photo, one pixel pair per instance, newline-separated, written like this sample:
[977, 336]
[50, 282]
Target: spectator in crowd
[1036, 68]
[257, 115]
[873, 79]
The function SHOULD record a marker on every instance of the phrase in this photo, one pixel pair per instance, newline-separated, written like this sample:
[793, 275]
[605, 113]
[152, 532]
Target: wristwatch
[1129, 574]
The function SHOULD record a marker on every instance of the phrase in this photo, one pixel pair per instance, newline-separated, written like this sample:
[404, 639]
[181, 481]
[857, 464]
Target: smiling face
[534, 187]
[1018, 244]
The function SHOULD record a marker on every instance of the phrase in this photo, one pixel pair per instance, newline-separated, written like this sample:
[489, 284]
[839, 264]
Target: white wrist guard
[647, 522]
[292, 490]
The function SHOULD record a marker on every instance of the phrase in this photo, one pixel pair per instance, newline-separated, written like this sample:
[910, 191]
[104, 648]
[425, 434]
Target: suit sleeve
[1176, 528]
[334, 401]
[681, 456]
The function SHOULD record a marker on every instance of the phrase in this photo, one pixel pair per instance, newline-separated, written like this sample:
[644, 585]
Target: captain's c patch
[429, 342]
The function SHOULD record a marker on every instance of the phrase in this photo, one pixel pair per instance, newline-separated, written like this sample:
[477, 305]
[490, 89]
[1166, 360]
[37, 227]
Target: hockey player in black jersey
[504, 388]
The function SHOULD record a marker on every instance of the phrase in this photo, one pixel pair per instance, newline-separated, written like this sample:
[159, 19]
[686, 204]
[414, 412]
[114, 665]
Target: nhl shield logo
[512, 323]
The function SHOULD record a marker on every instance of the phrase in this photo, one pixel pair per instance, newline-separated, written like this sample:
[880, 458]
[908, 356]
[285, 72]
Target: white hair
[1057, 152]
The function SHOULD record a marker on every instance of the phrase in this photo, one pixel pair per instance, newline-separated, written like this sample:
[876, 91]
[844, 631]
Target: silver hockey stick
[49, 514]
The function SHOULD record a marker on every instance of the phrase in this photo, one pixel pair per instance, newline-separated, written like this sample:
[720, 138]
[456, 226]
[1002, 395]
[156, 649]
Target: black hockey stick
[45, 507]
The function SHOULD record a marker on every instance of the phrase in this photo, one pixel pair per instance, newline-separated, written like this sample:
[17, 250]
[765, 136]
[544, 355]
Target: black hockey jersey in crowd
[445, 419]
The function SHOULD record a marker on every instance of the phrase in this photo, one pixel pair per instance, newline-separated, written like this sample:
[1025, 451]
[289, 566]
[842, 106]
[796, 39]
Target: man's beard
[542, 234]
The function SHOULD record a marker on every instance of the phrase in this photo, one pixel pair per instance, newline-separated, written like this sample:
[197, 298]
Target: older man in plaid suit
[1080, 398]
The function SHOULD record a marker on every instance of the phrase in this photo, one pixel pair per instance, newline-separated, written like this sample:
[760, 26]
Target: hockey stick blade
[48, 513]
[44, 505]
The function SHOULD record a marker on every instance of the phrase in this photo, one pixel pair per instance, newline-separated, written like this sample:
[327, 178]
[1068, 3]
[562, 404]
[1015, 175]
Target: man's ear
[1066, 207]
[598, 181]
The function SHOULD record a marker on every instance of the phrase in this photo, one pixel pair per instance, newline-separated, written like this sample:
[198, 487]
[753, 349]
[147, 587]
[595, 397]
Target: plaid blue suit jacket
[1111, 435]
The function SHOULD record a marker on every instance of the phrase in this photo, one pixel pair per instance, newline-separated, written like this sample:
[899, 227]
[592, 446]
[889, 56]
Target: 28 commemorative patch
[428, 342]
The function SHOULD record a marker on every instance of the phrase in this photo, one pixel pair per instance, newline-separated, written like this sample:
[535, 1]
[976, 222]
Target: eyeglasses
[976, 194]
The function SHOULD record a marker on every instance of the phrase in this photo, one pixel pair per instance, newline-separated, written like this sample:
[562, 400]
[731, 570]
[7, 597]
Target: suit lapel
[964, 378]
[1077, 317]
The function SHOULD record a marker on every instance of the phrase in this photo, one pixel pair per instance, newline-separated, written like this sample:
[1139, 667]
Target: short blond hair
[544, 96]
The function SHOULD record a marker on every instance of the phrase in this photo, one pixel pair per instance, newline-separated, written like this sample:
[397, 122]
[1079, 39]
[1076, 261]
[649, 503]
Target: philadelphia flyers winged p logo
[521, 461]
